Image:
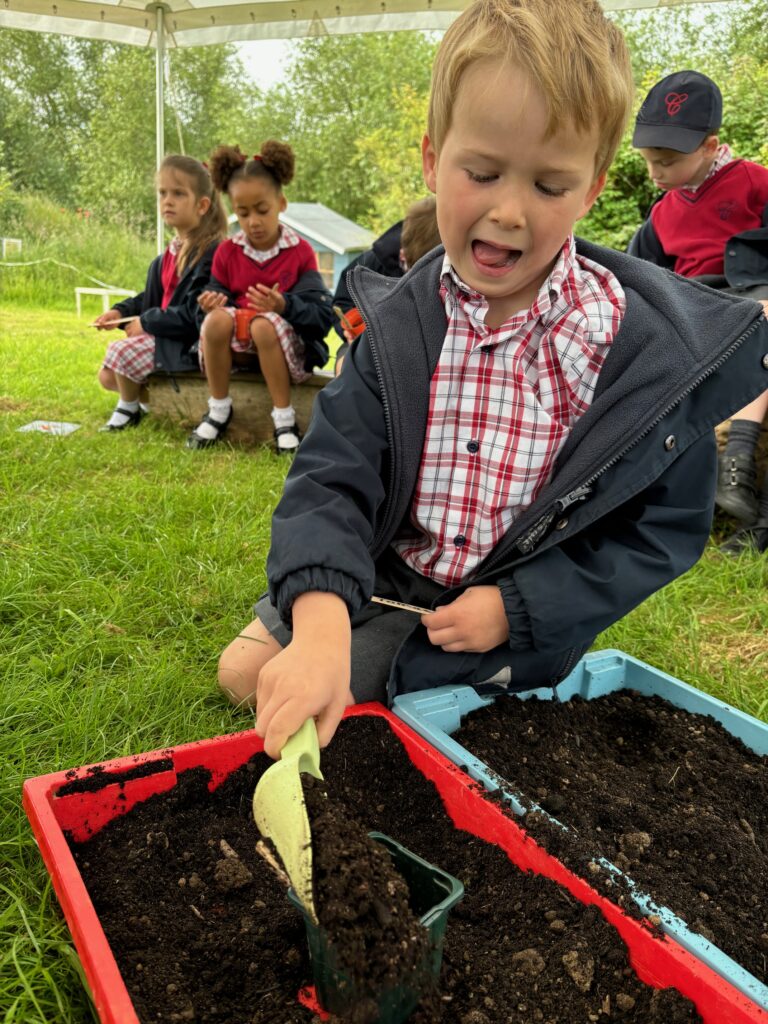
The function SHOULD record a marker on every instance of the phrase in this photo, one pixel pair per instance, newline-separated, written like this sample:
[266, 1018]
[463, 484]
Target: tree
[340, 89]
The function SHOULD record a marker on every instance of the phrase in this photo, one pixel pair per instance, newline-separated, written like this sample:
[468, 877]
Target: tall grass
[126, 565]
[105, 251]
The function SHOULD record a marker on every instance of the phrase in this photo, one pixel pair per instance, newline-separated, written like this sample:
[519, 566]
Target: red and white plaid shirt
[502, 403]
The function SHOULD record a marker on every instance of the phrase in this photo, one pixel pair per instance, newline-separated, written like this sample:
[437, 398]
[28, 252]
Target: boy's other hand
[310, 677]
[475, 622]
[211, 300]
[764, 303]
[133, 327]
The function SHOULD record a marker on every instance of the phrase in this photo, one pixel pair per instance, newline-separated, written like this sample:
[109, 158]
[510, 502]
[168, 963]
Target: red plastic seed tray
[658, 962]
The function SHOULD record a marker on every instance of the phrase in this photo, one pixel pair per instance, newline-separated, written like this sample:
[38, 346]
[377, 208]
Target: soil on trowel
[363, 906]
[202, 930]
[670, 797]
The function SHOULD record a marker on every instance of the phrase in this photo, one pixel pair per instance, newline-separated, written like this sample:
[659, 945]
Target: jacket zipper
[387, 420]
[531, 537]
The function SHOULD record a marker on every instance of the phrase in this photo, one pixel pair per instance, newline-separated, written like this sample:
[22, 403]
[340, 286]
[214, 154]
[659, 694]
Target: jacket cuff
[520, 632]
[283, 593]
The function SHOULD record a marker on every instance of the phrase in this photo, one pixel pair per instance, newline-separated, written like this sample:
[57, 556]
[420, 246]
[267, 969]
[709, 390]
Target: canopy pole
[159, 10]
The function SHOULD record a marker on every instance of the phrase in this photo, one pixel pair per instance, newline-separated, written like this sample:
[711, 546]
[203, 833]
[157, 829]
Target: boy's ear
[589, 200]
[429, 164]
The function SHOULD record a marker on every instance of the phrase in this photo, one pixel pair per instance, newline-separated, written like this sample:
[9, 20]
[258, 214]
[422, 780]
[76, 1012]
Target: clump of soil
[364, 907]
[198, 940]
[669, 796]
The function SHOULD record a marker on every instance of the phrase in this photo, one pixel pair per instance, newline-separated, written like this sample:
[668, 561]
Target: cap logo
[674, 101]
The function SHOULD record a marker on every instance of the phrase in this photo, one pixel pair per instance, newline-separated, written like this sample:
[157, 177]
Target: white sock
[122, 413]
[284, 417]
[144, 406]
[218, 409]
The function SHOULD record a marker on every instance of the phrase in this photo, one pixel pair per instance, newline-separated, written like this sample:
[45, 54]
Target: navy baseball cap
[678, 113]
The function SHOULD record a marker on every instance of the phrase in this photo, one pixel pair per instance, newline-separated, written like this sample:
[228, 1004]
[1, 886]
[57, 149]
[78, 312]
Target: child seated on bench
[711, 223]
[166, 320]
[267, 307]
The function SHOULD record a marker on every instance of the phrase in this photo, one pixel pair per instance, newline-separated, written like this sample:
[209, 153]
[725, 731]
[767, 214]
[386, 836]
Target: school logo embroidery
[674, 101]
[726, 210]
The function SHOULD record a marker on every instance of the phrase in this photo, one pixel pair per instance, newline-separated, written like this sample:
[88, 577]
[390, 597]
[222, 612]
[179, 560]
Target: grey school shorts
[377, 631]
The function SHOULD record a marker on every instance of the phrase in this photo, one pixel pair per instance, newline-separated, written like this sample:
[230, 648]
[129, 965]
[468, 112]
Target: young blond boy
[522, 437]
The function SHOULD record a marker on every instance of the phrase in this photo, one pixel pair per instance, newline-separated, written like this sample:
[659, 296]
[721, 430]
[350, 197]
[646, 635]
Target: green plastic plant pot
[432, 894]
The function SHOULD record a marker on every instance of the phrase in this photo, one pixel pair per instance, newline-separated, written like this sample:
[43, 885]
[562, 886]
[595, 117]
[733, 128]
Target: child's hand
[310, 677]
[475, 621]
[211, 300]
[106, 322]
[764, 303]
[133, 327]
[266, 300]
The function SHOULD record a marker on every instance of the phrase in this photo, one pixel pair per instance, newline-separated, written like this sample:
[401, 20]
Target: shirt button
[764, 361]
[731, 252]
[460, 540]
[473, 446]
[670, 442]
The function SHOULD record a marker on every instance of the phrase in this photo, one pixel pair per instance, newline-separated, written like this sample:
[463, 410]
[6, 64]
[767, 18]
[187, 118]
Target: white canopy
[199, 22]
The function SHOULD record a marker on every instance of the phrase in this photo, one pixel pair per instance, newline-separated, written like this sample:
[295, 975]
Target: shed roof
[324, 225]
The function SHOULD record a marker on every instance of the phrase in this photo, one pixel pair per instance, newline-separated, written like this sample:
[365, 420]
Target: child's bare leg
[128, 412]
[215, 339]
[278, 380]
[107, 379]
[755, 411]
[271, 362]
[241, 662]
[216, 335]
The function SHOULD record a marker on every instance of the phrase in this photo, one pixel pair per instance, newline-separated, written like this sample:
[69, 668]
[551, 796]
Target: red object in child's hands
[243, 319]
[351, 321]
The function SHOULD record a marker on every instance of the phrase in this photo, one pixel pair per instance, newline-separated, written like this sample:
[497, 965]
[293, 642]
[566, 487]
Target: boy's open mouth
[494, 257]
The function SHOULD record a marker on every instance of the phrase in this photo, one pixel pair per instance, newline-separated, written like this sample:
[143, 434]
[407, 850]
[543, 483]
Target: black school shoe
[134, 419]
[749, 539]
[195, 442]
[736, 491]
[287, 439]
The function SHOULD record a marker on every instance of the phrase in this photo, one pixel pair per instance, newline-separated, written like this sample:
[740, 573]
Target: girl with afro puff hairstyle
[266, 305]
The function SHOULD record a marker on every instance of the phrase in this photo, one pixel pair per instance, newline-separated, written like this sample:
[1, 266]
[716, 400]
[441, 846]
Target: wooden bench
[183, 398]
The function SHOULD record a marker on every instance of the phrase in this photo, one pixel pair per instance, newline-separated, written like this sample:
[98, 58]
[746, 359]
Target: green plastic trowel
[280, 811]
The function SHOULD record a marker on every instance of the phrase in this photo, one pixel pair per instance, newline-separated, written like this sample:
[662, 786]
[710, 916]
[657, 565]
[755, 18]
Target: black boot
[752, 539]
[736, 491]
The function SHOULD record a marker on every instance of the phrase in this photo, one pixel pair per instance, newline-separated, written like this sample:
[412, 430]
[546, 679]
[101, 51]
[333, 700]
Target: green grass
[55, 240]
[128, 563]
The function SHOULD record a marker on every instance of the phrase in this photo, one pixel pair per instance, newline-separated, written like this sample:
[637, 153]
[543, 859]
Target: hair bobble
[257, 156]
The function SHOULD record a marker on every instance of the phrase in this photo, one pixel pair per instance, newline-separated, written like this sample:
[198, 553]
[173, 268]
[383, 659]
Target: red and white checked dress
[502, 403]
[290, 342]
[134, 357]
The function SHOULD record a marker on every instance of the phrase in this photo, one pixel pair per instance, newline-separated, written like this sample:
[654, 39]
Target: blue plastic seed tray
[435, 714]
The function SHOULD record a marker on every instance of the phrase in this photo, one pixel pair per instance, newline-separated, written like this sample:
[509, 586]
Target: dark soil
[364, 909]
[670, 797]
[199, 940]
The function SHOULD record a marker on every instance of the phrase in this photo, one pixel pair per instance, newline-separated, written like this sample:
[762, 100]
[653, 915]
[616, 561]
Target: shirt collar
[724, 156]
[286, 240]
[548, 302]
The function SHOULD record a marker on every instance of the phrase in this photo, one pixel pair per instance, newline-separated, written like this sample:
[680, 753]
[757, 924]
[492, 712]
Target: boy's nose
[509, 210]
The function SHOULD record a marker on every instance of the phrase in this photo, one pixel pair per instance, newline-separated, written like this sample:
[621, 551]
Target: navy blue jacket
[627, 509]
[177, 328]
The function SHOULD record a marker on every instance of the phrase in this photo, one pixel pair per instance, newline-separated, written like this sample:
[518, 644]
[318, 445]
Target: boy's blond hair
[569, 50]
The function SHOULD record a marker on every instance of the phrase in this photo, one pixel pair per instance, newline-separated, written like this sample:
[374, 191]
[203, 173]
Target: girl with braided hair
[266, 305]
